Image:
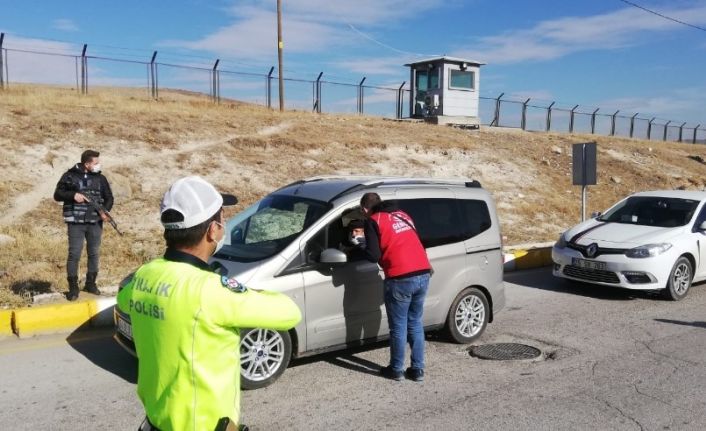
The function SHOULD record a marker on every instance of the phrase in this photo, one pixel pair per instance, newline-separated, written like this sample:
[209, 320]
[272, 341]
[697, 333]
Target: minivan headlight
[561, 243]
[648, 250]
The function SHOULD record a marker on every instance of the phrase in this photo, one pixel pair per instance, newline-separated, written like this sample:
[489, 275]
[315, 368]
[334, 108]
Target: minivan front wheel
[264, 355]
[468, 316]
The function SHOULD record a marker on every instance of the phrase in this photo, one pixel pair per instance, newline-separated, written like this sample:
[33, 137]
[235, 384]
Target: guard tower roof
[446, 60]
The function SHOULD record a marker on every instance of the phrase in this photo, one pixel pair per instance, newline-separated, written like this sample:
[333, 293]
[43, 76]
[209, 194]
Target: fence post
[317, 93]
[612, 123]
[84, 70]
[216, 84]
[360, 96]
[153, 75]
[268, 88]
[681, 130]
[693, 140]
[400, 100]
[649, 128]
[496, 119]
[571, 119]
[2, 66]
[666, 126]
[549, 117]
[593, 121]
[632, 124]
[523, 122]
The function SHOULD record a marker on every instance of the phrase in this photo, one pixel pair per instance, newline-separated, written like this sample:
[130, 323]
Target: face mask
[358, 240]
[96, 168]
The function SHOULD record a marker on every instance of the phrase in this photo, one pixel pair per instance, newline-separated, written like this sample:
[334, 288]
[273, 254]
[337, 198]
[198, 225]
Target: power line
[399, 51]
[662, 15]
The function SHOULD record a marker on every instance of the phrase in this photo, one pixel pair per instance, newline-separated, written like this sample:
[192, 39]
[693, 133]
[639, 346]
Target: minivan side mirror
[702, 226]
[333, 257]
[595, 214]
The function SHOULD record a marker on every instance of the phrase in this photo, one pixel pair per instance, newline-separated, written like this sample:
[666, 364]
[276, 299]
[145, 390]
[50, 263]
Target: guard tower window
[427, 79]
[462, 80]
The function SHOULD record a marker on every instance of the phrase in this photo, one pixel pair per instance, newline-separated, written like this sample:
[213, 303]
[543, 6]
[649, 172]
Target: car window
[652, 211]
[268, 226]
[701, 218]
[446, 221]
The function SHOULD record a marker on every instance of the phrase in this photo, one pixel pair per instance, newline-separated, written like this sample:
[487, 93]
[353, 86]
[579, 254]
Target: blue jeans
[404, 303]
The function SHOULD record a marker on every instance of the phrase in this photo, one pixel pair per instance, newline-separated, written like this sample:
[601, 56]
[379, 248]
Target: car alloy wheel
[468, 316]
[264, 354]
[679, 280]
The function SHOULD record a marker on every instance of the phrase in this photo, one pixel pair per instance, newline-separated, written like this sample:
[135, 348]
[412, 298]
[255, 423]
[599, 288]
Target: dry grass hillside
[250, 150]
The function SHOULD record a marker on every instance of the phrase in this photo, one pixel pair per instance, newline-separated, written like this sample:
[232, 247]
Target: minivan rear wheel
[264, 355]
[468, 316]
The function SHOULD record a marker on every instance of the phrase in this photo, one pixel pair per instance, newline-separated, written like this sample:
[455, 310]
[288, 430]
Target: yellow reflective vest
[185, 324]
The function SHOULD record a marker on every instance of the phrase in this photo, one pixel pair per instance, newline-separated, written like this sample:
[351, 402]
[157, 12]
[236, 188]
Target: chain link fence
[79, 72]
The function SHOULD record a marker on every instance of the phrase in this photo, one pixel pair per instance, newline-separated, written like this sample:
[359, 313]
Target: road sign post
[584, 169]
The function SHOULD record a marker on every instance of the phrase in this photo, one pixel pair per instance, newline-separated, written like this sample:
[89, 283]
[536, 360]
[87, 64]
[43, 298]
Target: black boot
[73, 288]
[90, 286]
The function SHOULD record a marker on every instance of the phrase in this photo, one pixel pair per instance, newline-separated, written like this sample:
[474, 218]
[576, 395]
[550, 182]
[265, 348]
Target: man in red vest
[393, 242]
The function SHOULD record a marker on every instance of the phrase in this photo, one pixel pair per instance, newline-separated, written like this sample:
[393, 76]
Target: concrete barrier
[50, 319]
[5, 323]
[67, 317]
[528, 256]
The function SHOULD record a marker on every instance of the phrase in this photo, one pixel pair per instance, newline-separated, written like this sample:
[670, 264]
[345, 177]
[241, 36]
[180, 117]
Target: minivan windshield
[268, 226]
[652, 211]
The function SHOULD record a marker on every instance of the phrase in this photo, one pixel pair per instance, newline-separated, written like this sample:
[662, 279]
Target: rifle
[96, 206]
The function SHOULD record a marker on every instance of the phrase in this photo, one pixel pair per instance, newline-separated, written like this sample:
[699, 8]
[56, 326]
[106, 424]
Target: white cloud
[64, 24]
[556, 38]
[680, 105]
[308, 26]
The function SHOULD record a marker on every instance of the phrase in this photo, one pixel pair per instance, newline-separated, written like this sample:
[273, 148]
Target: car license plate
[124, 328]
[588, 264]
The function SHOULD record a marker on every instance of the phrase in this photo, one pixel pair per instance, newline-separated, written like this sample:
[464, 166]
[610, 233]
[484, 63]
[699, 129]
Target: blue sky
[596, 53]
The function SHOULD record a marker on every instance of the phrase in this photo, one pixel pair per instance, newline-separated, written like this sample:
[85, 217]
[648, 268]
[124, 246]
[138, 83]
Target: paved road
[613, 360]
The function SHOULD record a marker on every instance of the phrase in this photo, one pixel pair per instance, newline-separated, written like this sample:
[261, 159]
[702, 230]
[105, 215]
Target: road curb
[57, 318]
[528, 256]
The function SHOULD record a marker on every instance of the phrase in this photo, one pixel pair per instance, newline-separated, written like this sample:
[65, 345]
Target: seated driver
[354, 244]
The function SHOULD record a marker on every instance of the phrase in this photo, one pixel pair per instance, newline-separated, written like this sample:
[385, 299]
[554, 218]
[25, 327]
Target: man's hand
[104, 216]
[79, 198]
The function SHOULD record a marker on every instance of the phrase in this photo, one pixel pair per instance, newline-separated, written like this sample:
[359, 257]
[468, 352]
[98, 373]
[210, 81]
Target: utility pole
[280, 46]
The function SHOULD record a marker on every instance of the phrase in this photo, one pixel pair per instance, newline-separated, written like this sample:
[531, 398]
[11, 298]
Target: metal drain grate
[505, 351]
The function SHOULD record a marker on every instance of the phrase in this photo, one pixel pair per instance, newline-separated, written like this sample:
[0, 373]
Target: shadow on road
[98, 346]
[681, 322]
[542, 278]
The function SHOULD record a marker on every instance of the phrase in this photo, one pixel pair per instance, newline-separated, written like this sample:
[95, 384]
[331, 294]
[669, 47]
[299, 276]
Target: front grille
[591, 274]
[599, 250]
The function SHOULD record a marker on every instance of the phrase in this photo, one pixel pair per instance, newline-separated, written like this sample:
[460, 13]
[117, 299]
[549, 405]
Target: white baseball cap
[195, 199]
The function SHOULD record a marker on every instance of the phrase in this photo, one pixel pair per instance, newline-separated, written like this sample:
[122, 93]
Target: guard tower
[445, 90]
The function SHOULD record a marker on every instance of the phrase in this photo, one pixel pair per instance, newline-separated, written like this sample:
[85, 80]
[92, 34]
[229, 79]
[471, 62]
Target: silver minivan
[291, 240]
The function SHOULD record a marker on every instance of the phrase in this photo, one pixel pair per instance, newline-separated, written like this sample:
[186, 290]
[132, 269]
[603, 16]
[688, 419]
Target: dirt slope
[250, 150]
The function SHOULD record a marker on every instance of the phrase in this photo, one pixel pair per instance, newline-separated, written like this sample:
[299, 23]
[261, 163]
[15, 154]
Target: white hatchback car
[647, 241]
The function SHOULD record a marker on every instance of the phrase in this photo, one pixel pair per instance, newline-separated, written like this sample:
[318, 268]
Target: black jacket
[94, 185]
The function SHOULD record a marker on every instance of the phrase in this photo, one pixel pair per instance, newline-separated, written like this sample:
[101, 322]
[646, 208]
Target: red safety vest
[402, 251]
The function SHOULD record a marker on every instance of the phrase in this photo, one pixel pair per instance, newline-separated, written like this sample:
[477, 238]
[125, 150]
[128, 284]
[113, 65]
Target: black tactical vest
[89, 186]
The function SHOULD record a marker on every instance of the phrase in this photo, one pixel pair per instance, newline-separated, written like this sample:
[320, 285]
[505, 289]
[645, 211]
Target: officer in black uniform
[79, 185]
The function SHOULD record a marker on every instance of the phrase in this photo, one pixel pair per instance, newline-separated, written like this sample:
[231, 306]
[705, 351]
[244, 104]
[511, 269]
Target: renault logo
[591, 250]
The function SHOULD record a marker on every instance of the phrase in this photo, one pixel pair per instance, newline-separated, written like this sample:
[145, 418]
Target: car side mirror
[702, 226]
[595, 214]
[333, 257]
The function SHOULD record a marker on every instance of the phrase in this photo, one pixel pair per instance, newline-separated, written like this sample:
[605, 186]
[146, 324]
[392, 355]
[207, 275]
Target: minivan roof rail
[372, 182]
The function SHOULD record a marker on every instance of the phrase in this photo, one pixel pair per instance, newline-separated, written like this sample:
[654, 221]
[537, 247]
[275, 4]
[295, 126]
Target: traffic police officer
[186, 317]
